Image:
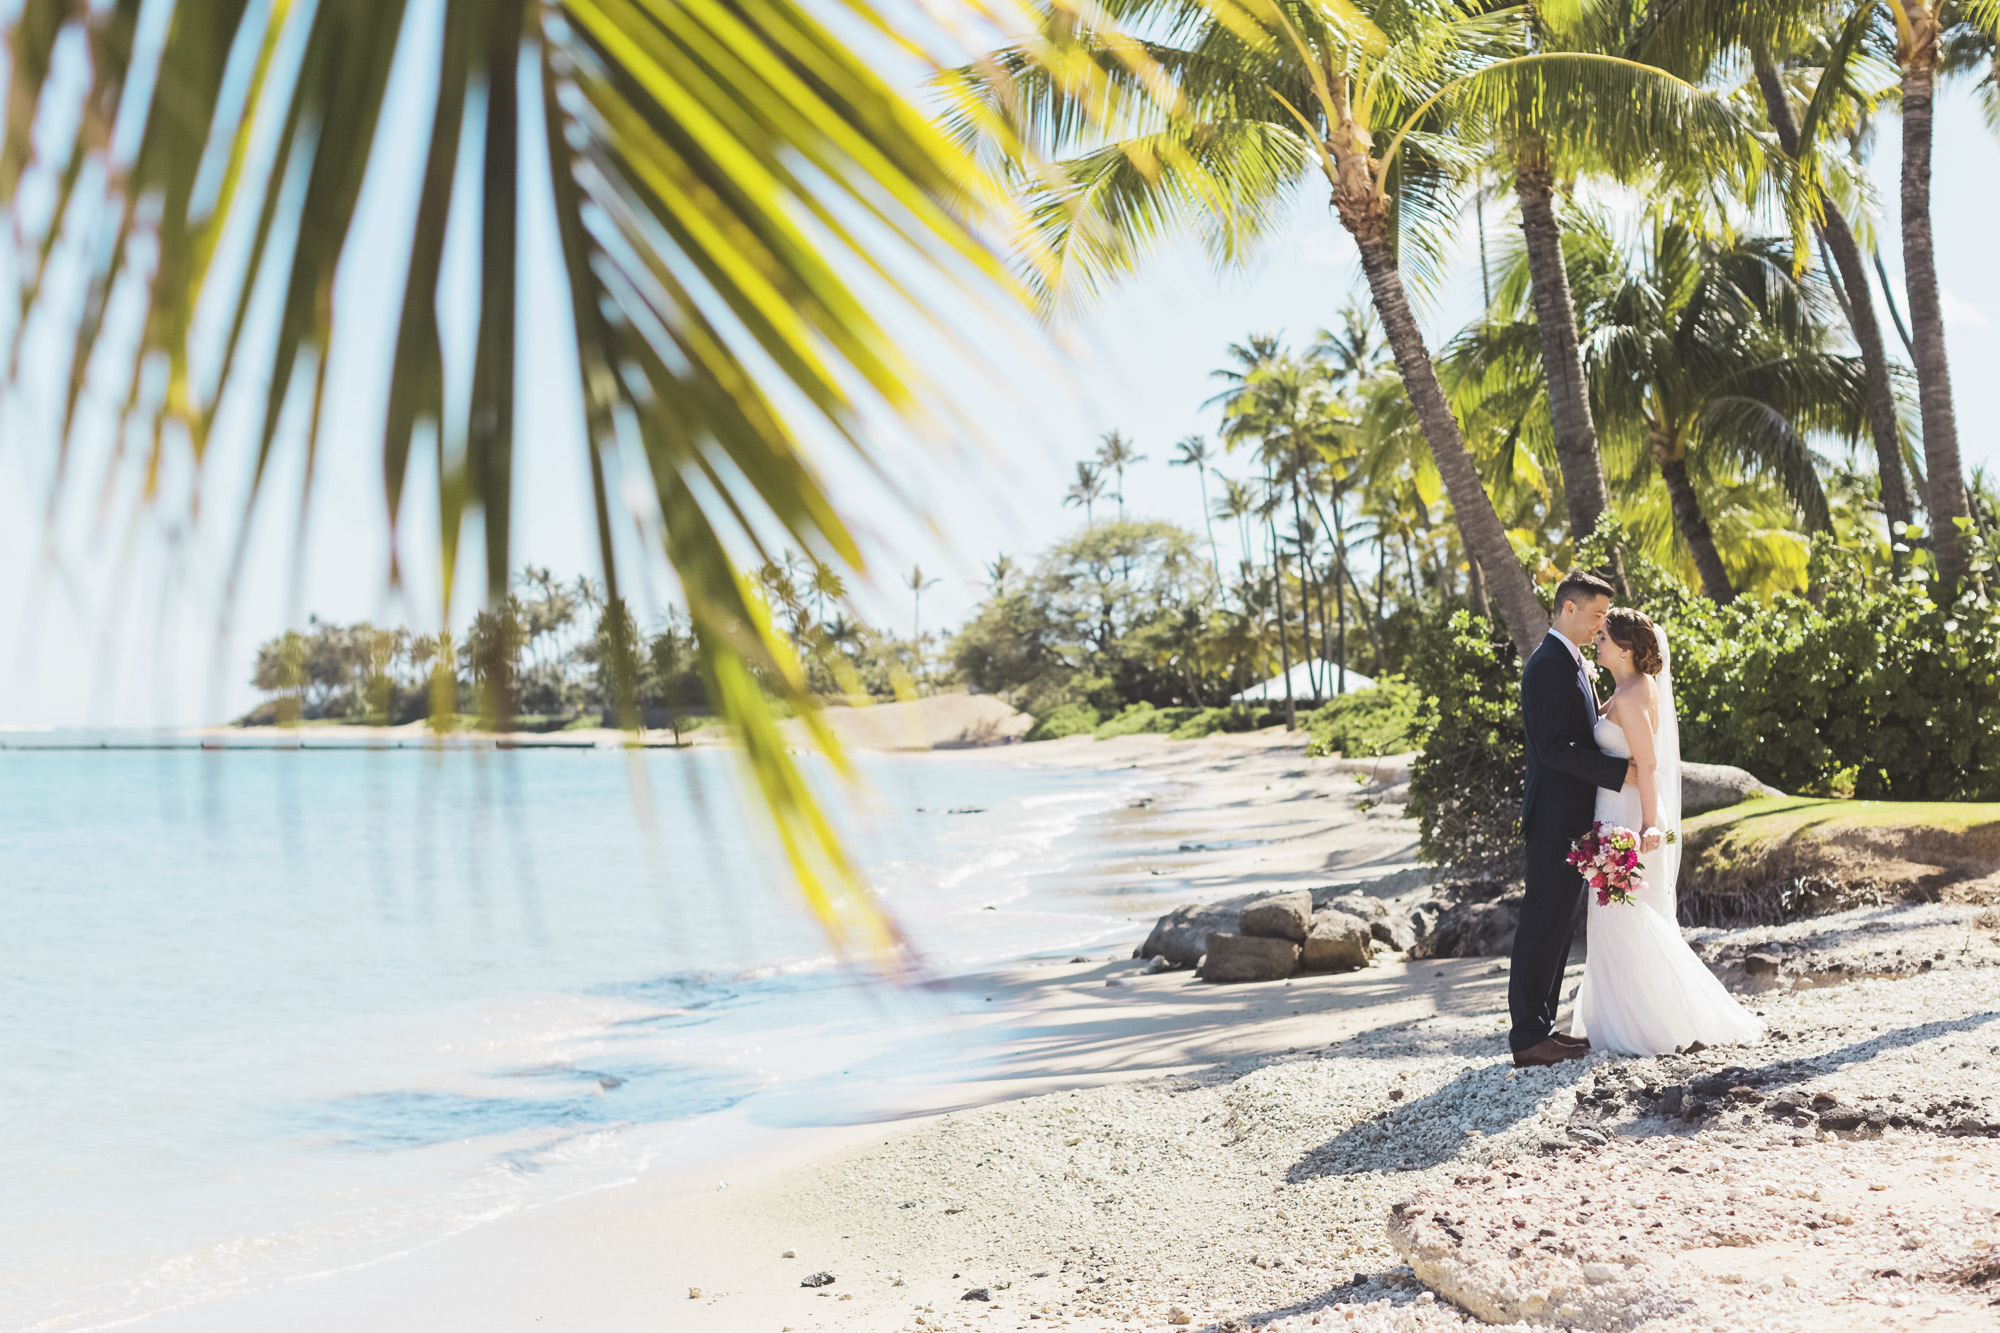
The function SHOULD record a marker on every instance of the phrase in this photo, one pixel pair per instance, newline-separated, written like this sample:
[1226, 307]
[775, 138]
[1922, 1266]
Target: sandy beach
[1112, 1147]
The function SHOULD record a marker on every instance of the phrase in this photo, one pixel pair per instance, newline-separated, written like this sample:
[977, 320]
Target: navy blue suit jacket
[1565, 767]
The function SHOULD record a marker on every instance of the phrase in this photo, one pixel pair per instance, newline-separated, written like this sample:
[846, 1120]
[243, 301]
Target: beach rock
[1712, 786]
[1474, 930]
[1336, 943]
[1282, 916]
[1237, 958]
[977, 1294]
[1761, 964]
[816, 1280]
[1181, 936]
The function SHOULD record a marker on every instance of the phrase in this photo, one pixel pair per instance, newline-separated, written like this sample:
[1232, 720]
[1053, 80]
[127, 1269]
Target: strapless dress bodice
[1611, 739]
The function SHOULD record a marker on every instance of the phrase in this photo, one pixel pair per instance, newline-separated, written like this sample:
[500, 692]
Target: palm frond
[725, 176]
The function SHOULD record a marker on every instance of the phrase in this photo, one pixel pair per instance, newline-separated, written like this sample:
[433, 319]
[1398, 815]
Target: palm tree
[1706, 359]
[916, 583]
[825, 583]
[1790, 37]
[1856, 292]
[707, 168]
[1086, 490]
[1193, 452]
[1632, 120]
[998, 573]
[1115, 452]
[1356, 353]
[1920, 30]
[1237, 502]
[1205, 118]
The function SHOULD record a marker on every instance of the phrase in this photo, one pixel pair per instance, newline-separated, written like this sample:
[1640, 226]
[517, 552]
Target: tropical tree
[1856, 293]
[1086, 490]
[1116, 453]
[1817, 52]
[1203, 116]
[1708, 360]
[1921, 32]
[916, 583]
[1628, 121]
[1193, 452]
[1236, 504]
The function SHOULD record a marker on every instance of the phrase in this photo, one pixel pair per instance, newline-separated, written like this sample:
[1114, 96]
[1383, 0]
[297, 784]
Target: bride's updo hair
[1637, 635]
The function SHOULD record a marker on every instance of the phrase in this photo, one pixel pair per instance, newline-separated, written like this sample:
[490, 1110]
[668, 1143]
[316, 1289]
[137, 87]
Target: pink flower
[1597, 881]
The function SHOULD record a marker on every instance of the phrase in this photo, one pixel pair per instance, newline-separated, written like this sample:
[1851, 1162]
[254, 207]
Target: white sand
[1160, 1151]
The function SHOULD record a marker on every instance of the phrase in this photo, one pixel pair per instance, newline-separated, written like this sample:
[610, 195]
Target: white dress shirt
[1582, 673]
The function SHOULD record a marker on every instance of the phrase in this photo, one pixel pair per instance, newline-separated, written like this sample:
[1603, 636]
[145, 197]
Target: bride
[1644, 991]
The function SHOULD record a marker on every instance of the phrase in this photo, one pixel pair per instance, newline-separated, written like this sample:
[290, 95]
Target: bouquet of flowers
[1608, 859]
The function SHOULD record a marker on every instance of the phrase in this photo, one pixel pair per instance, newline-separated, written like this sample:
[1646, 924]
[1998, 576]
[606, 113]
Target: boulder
[1474, 930]
[1181, 936]
[1282, 916]
[1233, 958]
[1337, 942]
[1712, 786]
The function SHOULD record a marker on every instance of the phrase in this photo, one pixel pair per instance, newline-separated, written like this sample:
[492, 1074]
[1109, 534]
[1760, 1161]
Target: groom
[1565, 768]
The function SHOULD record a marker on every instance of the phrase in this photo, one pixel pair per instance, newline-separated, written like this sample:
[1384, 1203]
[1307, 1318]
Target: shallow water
[269, 1014]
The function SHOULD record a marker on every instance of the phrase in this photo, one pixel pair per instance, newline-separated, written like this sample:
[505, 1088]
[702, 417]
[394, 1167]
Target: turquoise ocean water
[270, 1014]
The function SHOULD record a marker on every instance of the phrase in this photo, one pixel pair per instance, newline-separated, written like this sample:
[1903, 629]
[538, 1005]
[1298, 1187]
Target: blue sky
[125, 626]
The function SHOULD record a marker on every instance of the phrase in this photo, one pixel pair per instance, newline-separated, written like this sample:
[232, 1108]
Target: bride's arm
[1630, 714]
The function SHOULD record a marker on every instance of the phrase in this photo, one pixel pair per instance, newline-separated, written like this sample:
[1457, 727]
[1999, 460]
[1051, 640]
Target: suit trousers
[1549, 913]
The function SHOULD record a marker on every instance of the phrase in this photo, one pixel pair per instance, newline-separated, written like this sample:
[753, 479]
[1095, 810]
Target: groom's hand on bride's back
[1632, 772]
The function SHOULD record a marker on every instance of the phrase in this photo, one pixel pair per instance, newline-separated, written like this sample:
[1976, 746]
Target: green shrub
[1138, 718]
[1875, 692]
[1467, 781]
[1232, 718]
[1068, 720]
[1371, 722]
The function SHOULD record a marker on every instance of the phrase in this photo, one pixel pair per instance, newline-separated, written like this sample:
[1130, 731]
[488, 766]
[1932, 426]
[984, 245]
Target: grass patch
[1776, 859]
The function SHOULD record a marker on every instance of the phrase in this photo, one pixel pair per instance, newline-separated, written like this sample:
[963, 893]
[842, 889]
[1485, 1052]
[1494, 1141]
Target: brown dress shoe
[1581, 1043]
[1549, 1052]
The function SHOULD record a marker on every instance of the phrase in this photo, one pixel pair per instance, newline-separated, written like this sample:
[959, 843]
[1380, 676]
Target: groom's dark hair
[1580, 585]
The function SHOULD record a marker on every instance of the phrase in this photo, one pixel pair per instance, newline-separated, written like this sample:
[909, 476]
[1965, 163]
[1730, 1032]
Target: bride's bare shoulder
[1638, 699]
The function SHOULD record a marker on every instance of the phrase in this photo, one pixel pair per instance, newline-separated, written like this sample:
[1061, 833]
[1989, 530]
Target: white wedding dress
[1644, 991]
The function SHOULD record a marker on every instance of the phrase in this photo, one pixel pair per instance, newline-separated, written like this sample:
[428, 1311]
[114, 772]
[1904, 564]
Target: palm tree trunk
[1375, 630]
[1947, 478]
[1693, 524]
[1208, 521]
[1562, 364]
[1305, 597]
[1284, 637]
[1478, 524]
[1860, 305]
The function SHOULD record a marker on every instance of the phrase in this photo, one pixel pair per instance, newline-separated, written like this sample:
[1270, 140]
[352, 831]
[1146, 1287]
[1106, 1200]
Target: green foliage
[1068, 720]
[1143, 717]
[1232, 718]
[1122, 612]
[1877, 691]
[350, 673]
[1467, 781]
[1366, 723]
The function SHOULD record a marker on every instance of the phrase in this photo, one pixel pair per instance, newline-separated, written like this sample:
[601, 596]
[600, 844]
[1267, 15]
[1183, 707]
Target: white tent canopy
[1303, 675]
